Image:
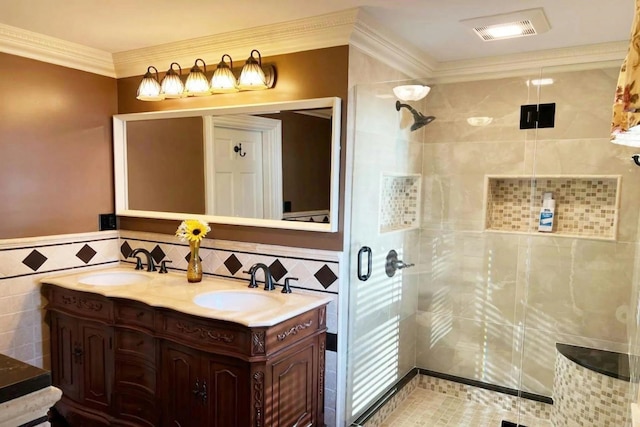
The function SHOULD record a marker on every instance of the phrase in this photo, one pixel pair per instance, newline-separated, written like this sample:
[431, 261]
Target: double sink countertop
[215, 298]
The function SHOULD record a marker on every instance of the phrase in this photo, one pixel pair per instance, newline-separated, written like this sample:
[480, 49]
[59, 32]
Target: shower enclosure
[490, 302]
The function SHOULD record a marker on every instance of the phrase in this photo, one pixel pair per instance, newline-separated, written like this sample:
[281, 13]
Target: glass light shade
[197, 83]
[223, 80]
[149, 89]
[172, 86]
[411, 92]
[479, 121]
[252, 76]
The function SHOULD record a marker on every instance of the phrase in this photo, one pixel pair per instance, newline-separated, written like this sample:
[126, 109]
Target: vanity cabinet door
[293, 396]
[181, 385]
[201, 389]
[227, 385]
[66, 369]
[97, 364]
[82, 366]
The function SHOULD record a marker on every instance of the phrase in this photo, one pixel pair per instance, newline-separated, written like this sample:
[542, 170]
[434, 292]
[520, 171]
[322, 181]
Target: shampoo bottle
[547, 213]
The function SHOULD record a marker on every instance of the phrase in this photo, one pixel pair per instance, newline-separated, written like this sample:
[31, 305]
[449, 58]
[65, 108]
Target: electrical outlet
[107, 222]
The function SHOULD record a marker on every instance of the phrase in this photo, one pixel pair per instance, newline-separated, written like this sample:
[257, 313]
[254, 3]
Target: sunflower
[192, 230]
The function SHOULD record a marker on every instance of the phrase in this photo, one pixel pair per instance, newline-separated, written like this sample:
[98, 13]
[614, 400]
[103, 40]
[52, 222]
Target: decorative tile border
[316, 270]
[26, 257]
[399, 202]
[585, 206]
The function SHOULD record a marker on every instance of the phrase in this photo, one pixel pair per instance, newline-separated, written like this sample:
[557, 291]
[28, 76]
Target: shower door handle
[365, 250]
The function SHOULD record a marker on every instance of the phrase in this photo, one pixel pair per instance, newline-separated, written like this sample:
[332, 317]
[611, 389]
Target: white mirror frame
[120, 163]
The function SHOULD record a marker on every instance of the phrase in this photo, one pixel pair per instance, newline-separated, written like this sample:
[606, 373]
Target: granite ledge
[18, 378]
[609, 363]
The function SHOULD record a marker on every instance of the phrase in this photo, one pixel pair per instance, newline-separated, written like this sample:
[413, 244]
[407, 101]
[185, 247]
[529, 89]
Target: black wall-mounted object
[107, 222]
[537, 116]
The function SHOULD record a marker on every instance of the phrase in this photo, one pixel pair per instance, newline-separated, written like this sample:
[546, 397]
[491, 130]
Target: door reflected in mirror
[273, 165]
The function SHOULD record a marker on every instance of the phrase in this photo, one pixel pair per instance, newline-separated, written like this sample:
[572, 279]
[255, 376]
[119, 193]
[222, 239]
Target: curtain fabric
[626, 106]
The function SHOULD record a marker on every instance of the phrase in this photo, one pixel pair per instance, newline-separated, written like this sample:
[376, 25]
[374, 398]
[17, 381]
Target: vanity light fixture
[172, 86]
[149, 89]
[197, 83]
[223, 80]
[252, 76]
[411, 92]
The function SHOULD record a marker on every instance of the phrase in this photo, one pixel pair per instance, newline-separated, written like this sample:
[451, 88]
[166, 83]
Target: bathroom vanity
[144, 354]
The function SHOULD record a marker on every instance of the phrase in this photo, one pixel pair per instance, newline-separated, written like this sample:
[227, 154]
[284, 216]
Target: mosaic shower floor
[431, 408]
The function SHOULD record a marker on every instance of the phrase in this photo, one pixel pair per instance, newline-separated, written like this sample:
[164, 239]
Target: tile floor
[430, 408]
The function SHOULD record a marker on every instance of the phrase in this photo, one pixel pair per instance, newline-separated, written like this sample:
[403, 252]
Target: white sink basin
[114, 278]
[237, 300]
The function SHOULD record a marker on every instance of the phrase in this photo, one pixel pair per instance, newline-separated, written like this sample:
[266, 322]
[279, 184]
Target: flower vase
[194, 269]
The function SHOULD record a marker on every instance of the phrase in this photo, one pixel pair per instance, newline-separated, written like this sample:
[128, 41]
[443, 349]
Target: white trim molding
[317, 32]
[19, 42]
[349, 27]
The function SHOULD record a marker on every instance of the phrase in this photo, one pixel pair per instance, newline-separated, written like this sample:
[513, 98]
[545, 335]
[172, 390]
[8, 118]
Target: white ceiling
[431, 25]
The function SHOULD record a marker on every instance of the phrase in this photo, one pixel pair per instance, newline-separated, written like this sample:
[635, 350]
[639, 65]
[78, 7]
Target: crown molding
[349, 27]
[16, 41]
[601, 55]
[373, 39]
[318, 32]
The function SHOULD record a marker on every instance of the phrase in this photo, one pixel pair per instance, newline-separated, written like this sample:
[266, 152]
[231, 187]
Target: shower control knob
[393, 263]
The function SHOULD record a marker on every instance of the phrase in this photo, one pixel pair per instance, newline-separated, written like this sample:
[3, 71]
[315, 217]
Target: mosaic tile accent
[586, 398]
[430, 408]
[585, 206]
[399, 202]
[438, 402]
[378, 419]
[501, 401]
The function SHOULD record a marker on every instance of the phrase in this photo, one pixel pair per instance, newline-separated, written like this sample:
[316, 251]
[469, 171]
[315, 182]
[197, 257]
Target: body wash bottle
[547, 213]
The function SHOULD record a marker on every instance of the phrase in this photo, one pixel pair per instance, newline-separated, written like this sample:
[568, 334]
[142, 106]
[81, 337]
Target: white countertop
[172, 291]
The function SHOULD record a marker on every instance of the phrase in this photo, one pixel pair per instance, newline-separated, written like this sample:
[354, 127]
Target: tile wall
[23, 262]
[491, 305]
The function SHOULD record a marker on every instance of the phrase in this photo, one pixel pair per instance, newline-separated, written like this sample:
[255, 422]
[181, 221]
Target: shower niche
[399, 202]
[587, 206]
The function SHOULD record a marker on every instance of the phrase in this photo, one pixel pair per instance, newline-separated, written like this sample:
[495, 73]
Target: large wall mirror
[267, 165]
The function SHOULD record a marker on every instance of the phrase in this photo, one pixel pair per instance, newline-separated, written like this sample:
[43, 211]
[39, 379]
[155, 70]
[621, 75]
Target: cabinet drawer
[135, 375]
[133, 314]
[85, 305]
[135, 343]
[142, 411]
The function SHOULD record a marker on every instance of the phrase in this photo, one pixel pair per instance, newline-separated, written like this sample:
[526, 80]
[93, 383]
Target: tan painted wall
[56, 157]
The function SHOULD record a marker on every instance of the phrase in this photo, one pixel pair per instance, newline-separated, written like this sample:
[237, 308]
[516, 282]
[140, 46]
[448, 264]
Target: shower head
[419, 119]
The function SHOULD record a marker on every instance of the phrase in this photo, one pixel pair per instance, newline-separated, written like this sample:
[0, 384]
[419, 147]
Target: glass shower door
[384, 243]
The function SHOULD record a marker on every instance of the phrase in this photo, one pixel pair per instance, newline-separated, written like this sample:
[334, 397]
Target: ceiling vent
[522, 23]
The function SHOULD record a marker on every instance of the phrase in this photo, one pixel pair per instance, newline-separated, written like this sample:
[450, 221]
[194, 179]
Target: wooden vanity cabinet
[123, 363]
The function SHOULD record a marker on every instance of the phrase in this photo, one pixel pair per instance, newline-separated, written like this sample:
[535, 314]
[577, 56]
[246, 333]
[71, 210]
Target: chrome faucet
[268, 280]
[150, 264]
